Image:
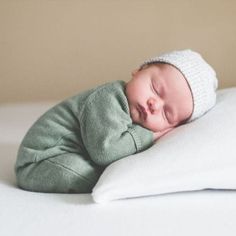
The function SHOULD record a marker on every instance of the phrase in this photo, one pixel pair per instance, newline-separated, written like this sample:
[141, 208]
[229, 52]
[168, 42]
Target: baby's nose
[154, 105]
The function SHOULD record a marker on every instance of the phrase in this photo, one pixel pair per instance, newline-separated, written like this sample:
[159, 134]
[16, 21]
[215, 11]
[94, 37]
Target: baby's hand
[158, 134]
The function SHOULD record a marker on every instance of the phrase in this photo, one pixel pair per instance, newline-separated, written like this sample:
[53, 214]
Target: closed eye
[155, 89]
[166, 115]
[170, 114]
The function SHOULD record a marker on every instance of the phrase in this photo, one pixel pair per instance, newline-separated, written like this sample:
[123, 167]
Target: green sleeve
[108, 132]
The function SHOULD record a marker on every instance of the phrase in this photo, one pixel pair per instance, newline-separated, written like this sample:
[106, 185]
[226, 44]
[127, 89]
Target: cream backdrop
[50, 50]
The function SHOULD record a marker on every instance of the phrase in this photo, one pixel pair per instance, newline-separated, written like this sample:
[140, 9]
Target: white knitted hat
[200, 76]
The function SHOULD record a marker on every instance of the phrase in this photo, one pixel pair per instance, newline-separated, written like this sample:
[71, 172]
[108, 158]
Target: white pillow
[195, 156]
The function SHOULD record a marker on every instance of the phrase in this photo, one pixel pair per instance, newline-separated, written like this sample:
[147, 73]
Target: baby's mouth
[142, 112]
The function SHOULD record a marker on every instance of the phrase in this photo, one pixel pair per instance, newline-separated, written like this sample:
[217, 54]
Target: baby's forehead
[165, 69]
[162, 66]
[152, 64]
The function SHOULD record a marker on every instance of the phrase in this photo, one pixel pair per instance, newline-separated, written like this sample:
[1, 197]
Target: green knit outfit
[68, 147]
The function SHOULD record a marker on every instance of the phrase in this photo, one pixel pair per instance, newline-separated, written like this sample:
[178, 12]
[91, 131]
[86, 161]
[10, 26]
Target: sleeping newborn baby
[67, 148]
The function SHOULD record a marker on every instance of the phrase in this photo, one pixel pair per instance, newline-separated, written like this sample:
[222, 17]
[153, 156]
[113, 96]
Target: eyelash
[165, 112]
[155, 90]
[166, 115]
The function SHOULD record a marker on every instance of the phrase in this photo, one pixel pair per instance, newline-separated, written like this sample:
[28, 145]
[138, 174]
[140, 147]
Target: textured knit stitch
[69, 146]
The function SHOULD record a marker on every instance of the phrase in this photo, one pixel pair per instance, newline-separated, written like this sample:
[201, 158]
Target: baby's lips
[142, 111]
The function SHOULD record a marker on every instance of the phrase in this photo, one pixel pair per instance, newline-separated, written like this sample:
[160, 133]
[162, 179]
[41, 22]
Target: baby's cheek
[134, 115]
[154, 125]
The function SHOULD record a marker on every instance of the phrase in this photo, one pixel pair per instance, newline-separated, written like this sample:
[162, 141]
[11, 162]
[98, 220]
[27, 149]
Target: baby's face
[159, 97]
